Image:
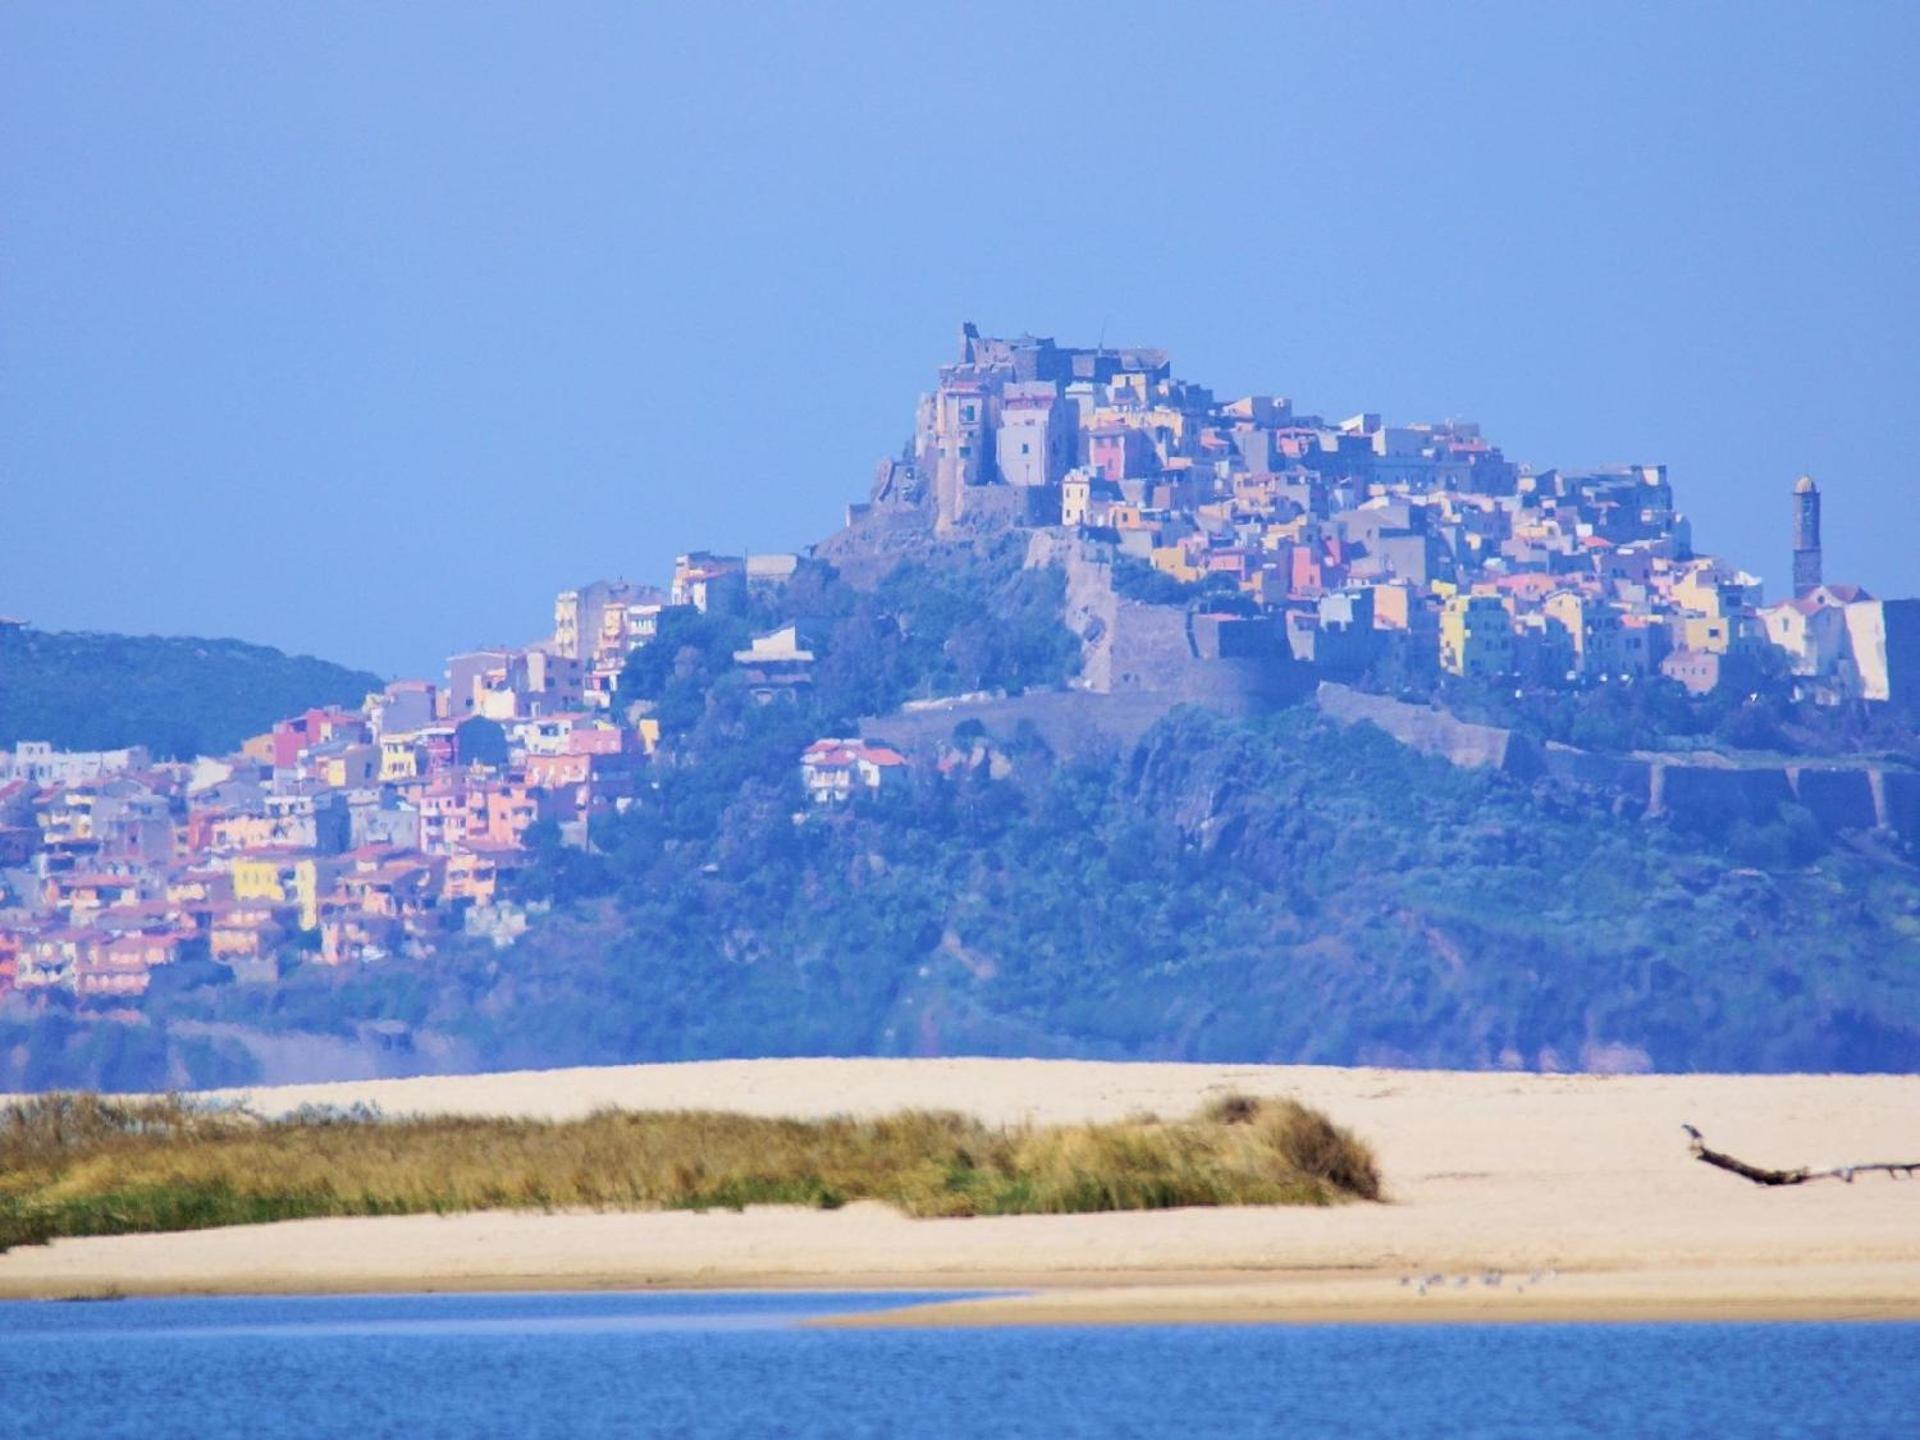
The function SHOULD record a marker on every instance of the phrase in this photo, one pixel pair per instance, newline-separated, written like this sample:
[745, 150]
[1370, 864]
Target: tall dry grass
[86, 1165]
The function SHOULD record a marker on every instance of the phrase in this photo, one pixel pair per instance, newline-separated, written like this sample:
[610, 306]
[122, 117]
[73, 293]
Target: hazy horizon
[360, 332]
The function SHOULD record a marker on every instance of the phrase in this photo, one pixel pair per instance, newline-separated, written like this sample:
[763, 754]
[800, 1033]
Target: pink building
[289, 737]
[1119, 452]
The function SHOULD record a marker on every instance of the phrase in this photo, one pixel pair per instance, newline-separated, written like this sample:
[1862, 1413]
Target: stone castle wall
[1704, 789]
[1132, 648]
[1432, 732]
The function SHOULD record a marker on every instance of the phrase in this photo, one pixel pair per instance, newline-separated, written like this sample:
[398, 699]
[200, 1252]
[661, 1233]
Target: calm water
[583, 1366]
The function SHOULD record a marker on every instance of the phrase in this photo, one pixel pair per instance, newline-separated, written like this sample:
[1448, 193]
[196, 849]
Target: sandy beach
[1533, 1197]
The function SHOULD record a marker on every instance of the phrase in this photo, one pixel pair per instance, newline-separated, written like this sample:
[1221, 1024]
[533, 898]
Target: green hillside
[178, 696]
[1277, 890]
[1272, 890]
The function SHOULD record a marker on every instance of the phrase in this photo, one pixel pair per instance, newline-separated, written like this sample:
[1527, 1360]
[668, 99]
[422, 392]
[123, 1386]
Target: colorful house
[1476, 637]
[285, 877]
[833, 770]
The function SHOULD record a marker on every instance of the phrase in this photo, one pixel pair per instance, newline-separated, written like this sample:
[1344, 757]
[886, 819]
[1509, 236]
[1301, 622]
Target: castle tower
[1806, 535]
[962, 445]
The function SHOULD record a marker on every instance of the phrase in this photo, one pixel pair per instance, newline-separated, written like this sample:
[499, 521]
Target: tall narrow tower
[1806, 535]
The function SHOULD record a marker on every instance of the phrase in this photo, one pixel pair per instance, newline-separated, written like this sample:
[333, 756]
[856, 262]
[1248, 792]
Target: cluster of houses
[598, 626]
[1353, 536]
[347, 835]
[338, 835]
[835, 770]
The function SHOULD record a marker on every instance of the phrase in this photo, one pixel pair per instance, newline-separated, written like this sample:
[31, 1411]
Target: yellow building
[1215, 513]
[1706, 634]
[470, 875]
[1603, 641]
[1706, 589]
[1076, 494]
[244, 934]
[1393, 606]
[1476, 637]
[1172, 560]
[1697, 591]
[1170, 429]
[284, 878]
[353, 767]
[399, 758]
[1276, 534]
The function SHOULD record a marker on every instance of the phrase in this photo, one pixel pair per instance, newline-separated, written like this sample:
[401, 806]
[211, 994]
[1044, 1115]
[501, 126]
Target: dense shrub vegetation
[975, 620]
[1264, 890]
[1135, 579]
[1278, 889]
[178, 697]
[79, 1165]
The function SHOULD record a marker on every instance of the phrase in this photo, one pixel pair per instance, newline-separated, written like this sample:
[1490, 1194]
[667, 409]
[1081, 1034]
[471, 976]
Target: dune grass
[88, 1165]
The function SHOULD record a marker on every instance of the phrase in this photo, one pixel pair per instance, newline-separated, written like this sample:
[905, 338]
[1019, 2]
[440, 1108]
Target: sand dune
[1586, 1177]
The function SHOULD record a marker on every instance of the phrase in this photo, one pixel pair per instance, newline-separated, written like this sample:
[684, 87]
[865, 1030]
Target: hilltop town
[1350, 537]
[1234, 553]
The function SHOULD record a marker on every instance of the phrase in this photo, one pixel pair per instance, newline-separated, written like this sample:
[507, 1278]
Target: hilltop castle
[1346, 539]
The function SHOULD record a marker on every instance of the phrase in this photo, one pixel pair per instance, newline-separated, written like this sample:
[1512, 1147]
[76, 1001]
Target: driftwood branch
[1898, 1169]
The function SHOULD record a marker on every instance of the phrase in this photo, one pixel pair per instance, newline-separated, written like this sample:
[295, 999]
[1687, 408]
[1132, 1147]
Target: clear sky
[362, 329]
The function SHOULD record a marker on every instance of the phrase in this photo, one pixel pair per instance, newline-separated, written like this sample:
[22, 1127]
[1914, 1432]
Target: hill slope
[1277, 890]
[1271, 890]
[177, 696]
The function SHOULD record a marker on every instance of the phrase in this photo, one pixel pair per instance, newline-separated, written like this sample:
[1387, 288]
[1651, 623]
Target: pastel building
[1036, 440]
[1883, 638]
[284, 878]
[834, 770]
[1476, 636]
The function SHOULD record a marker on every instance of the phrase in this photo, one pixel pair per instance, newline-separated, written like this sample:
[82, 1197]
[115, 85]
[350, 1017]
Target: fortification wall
[1132, 648]
[1703, 789]
[1713, 795]
[1629, 776]
[1149, 646]
[1070, 721]
[1897, 796]
[978, 508]
[1430, 731]
[1838, 799]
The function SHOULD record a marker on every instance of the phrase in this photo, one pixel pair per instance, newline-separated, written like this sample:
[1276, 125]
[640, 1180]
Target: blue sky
[362, 329]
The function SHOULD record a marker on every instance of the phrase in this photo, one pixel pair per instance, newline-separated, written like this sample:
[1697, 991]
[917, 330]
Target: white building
[832, 769]
[38, 763]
